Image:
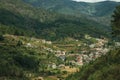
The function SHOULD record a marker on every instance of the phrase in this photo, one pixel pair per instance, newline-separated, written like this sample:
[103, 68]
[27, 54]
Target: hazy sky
[95, 0]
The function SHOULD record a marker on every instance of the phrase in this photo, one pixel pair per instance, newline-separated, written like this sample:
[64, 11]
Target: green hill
[99, 11]
[19, 18]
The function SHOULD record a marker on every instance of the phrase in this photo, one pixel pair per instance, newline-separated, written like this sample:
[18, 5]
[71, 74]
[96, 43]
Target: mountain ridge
[94, 1]
[97, 11]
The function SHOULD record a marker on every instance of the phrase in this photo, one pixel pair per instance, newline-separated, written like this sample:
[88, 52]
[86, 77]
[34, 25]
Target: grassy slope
[17, 60]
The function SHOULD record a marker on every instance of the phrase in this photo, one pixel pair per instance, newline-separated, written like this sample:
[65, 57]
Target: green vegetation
[99, 12]
[19, 18]
[116, 22]
[74, 8]
[37, 43]
[25, 58]
[104, 68]
[13, 62]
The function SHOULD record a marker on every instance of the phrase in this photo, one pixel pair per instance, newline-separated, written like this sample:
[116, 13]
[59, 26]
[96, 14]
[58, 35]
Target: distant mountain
[19, 18]
[100, 11]
[63, 6]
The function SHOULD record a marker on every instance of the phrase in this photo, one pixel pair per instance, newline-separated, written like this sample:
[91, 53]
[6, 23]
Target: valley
[59, 40]
[52, 59]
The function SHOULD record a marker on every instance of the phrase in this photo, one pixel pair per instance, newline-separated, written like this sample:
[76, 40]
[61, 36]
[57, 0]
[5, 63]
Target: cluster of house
[96, 50]
[117, 44]
[46, 42]
[54, 66]
[33, 40]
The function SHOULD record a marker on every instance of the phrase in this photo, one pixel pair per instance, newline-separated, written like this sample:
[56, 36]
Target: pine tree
[116, 22]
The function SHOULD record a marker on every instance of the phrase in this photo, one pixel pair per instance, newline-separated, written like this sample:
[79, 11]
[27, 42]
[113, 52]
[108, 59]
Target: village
[97, 49]
[87, 52]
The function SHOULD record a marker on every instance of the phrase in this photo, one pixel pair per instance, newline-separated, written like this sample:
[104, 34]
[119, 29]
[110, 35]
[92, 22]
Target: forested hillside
[99, 11]
[20, 18]
[76, 8]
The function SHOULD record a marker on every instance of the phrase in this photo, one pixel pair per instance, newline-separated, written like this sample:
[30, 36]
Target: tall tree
[116, 22]
[1, 37]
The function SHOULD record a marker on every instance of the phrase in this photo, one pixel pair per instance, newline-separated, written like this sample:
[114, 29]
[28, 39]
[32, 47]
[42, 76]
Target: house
[105, 50]
[61, 66]
[76, 40]
[79, 45]
[92, 45]
[28, 45]
[62, 57]
[43, 41]
[87, 37]
[39, 78]
[48, 42]
[54, 66]
[117, 44]
[79, 60]
[59, 53]
[63, 52]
